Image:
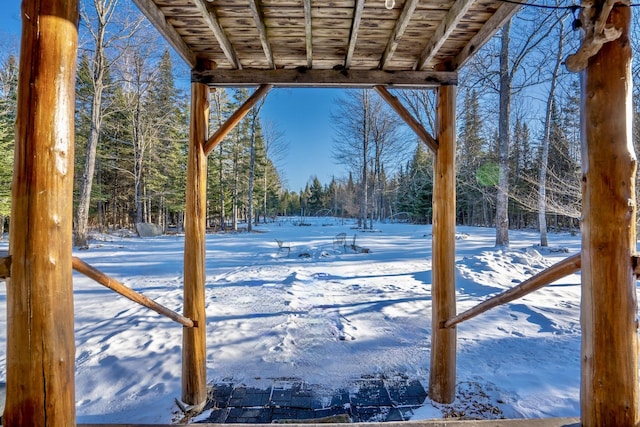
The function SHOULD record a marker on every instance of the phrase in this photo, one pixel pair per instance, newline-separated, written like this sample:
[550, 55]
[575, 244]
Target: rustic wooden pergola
[313, 43]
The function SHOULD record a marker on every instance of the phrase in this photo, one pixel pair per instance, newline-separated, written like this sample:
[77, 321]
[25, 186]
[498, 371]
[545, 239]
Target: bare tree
[504, 126]
[254, 129]
[353, 127]
[544, 157]
[138, 75]
[275, 148]
[101, 41]
[368, 135]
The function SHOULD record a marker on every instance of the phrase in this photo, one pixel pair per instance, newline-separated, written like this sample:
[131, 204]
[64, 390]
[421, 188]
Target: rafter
[157, 18]
[324, 78]
[444, 30]
[491, 26]
[398, 31]
[308, 32]
[213, 24]
[355, 28]
[262, 30]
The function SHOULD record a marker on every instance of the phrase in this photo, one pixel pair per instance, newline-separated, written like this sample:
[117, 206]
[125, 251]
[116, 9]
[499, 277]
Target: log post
[609, 383]
[40, 322]
[194, 373]
[442, 381]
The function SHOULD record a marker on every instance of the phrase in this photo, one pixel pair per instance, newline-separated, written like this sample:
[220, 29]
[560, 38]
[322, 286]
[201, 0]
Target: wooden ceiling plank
[308, 32]
[405, 115]
[302, 77]
[355, 27]
[444, 30]
[262, 30]
[491, 26]
[213, 24]
[157, 18]
[398, 31]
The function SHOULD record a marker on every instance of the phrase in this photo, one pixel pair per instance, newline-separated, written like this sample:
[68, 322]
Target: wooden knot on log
[597, 32]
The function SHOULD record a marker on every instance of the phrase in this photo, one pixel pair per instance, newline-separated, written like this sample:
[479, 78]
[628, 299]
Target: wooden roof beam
[408, 118]
[444, 30]
[301, 77]
[157, 18]
[212, 22]
[355, 28]
[308, 32]
[398, 31]
[262, 30]
[493, 24]
[235, 118]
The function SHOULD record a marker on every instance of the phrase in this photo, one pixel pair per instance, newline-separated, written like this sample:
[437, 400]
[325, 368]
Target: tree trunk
[364, 201]
[99, 68]
[609, 386]
[194, 372]
[40, 357]
[221, 178]
[252, 175]
[502, 198]
[544, 160]
[442, 379]
[138, 155]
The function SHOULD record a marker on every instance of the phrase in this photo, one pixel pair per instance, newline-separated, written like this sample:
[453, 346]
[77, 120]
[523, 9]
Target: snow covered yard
[323, 314]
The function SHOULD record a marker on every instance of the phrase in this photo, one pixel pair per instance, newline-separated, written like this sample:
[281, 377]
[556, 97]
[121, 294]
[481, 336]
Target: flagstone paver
[366, 399]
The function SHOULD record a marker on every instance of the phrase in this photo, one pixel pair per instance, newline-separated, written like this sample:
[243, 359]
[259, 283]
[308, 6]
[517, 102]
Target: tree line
[518, 149]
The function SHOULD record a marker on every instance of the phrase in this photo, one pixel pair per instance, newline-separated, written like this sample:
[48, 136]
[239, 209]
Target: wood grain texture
[194, 348]
[442, 375]
[356, 35]
[302, 77]
[609, 386]
[40, 322]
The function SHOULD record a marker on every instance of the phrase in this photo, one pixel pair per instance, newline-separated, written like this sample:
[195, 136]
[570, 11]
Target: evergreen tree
[166, 165]
[219, 163]
[315, 202]
[470, 157]
[419, 197]
[8, 106]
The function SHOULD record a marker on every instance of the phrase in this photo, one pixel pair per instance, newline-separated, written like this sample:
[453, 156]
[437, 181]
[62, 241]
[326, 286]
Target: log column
[194, 373]
[609, 384]
[40, 327]
[442, 381]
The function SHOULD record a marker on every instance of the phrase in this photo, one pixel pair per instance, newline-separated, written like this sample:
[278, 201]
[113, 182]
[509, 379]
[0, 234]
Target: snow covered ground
[323, 314]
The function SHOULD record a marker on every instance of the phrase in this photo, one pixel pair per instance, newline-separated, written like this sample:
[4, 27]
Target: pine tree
[470, 157]
[8, 106]
[315, 202]
[166, 163]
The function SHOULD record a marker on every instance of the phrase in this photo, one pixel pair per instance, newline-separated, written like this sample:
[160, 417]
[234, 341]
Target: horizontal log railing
[557, 271]
[95, 274]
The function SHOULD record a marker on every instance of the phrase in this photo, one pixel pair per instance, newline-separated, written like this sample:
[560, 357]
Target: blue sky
[300, 115]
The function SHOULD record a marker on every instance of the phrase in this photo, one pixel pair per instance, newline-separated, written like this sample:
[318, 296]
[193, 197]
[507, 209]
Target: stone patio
[365, 400]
